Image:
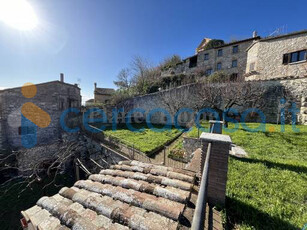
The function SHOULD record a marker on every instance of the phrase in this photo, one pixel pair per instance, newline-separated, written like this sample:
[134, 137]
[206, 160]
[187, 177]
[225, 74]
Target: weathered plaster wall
[267, 55]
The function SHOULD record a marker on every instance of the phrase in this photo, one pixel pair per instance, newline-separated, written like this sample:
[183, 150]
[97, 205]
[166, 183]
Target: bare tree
[25, 167]
[223, 95]
[176, 99]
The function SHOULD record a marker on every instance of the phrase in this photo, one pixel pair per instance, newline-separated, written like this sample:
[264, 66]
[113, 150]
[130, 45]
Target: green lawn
[268, 190]
[176, 150]
[147, 140]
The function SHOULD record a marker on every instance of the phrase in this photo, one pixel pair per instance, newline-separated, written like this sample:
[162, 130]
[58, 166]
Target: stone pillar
[217, 126]
[218, 165]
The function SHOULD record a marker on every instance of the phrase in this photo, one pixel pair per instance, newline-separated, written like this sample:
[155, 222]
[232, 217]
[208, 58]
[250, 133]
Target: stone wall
[102, 98]
[267, 57]
[185, 97]
[53, 97]
[190, 145]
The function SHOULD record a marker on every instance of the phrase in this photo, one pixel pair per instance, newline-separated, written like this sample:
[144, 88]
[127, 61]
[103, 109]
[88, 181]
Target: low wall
[190, 145]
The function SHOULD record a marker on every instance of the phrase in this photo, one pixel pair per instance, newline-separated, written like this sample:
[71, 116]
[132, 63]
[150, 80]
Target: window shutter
[285, 59]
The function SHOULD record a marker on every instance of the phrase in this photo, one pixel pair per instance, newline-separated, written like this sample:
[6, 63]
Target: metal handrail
[200, 209]
[125, 145]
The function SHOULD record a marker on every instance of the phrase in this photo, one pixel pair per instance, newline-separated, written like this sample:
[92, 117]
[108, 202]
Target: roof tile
[130, 195]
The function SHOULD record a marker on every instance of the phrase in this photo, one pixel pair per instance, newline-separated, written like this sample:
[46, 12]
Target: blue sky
[92, 40]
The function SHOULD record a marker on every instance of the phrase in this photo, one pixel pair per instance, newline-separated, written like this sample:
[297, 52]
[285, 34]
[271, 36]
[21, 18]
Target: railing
[198, 222]
[200, 210]
[126, 149]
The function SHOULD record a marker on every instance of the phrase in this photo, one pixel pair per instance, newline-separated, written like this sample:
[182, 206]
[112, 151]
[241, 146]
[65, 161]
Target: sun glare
[18, 14]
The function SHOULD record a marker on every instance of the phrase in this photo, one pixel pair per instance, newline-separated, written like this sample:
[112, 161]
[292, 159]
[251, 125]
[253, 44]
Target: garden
[267, 190]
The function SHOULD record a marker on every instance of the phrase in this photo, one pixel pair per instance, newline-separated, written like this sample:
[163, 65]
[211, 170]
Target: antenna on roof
[278, 31]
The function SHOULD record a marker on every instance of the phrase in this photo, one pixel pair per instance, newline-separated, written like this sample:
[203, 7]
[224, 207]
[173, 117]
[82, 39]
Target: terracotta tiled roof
[130, 195]
[104, 91]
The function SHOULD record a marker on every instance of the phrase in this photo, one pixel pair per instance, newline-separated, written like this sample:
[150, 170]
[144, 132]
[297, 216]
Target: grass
[176, 150]
[146, 141]
[194, 130]
[267, 190]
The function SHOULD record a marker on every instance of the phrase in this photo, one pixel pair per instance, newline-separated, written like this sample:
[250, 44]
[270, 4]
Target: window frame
[220, 52]
[237, 49]
[206, 55]
[234, 61]
[252, 66]
[193, 61]
[217, 66]
[207, 70]
[287, 57]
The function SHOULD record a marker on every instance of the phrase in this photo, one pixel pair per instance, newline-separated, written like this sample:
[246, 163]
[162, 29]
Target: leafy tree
[170, 62]
[213, 44]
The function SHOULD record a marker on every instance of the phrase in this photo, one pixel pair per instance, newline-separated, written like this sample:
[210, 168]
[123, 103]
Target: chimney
[255, 34]
[61, 77]
[95, 84]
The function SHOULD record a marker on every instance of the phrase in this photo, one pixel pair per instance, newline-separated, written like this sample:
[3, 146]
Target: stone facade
[53, 97]
[230, 58]
[102, 95]
[265, 58]
[255, 58]
[230, 54]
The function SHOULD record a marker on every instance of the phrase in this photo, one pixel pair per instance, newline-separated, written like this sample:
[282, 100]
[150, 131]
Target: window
[193, 62]
[219, 66]
[234, 77]
[302, 55]
[294, 57]
[252, 66]
[220, 53]
[206, 57]
[209, 72]
[61, 105]
[234, 63]
[235, 49]
[26, 130]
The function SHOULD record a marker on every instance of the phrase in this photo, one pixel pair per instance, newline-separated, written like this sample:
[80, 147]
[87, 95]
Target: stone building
[52, 97]
[102, 95]
[255, 58]
[230, 58]
[277, 57]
